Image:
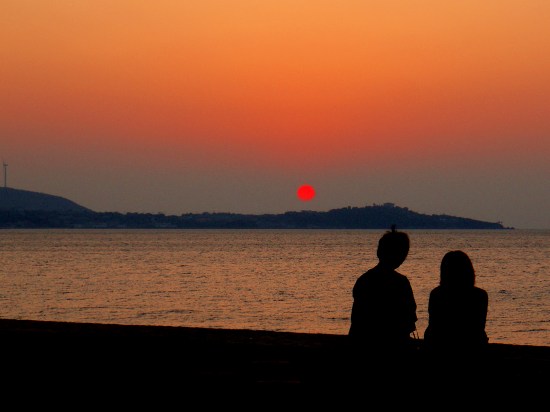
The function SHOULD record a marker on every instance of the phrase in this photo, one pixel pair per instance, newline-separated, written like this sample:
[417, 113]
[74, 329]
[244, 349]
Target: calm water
[295, 280]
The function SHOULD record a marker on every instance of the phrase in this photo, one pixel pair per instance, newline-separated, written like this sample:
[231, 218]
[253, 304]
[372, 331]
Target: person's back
[384, 309]
[457, 318]
[457, 309]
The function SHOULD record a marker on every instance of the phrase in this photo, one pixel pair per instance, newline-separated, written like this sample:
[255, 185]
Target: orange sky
[311, 89]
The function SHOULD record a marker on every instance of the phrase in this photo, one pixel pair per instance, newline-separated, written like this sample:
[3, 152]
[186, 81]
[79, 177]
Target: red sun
[305, 193]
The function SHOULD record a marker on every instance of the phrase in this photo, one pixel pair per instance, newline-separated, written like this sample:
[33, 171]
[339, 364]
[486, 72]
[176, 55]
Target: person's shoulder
[438, 290]
[364, 278]
[402, 278]
[370, 273]
[481, 292]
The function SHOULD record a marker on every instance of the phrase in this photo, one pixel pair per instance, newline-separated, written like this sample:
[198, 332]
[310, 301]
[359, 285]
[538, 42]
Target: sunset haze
[229, 106]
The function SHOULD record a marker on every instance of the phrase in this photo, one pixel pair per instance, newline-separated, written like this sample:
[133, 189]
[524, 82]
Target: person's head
[393, 248]
[457, 270]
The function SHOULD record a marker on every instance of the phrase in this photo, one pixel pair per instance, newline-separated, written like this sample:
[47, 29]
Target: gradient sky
[180, 106]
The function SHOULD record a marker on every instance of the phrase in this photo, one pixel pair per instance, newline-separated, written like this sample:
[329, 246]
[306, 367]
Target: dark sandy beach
[90, 359]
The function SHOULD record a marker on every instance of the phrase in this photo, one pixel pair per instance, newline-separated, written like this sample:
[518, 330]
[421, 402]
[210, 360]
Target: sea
[279, 280]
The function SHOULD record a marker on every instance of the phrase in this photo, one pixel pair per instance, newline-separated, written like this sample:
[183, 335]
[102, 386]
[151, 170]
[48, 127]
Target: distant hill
[377, 217]
[24, 200]
[368, 217]
[20, 209]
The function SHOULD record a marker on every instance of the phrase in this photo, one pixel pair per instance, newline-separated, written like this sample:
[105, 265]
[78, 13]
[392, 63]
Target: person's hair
[457, 270]
[393, 248]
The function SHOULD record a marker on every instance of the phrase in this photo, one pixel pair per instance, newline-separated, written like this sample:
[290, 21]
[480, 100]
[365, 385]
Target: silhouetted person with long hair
[457, 309]
[455, 341]
[383, 314]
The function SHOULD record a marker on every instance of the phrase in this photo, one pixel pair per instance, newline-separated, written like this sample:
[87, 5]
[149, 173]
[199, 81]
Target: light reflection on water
[283, 280]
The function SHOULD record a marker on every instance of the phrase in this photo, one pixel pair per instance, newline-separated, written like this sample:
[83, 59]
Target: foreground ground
[94, 359]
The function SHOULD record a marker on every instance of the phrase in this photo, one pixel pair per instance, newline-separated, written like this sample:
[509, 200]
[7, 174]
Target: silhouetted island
[23, 209]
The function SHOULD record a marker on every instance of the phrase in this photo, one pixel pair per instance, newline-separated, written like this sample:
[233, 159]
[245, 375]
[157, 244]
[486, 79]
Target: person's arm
[484, 306]
[411, 308]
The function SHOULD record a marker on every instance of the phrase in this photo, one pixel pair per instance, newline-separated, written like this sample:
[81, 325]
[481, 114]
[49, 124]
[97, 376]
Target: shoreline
[204, 357]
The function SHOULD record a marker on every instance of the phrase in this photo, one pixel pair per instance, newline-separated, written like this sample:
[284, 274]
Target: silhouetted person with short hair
[457, 309]
[383, 315]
